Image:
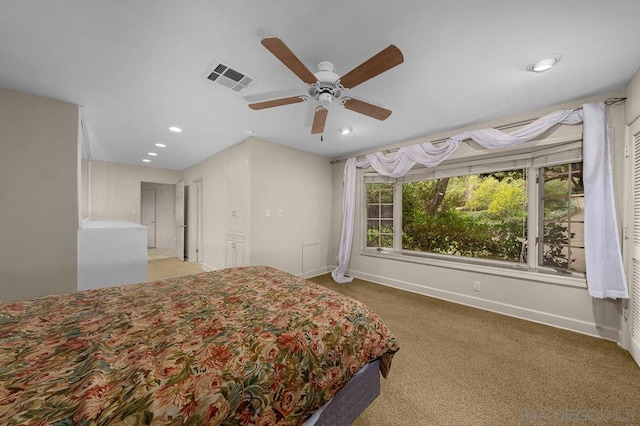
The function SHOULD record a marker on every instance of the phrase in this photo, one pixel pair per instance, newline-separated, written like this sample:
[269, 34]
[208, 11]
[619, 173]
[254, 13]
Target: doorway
[157, 213]
[149, 215]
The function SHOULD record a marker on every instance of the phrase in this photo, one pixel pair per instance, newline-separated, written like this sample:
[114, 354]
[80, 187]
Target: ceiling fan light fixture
[545, 64]
[325, 99]
[345, 130]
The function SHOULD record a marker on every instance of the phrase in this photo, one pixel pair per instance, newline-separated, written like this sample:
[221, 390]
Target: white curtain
[605, 271]
[601, 241]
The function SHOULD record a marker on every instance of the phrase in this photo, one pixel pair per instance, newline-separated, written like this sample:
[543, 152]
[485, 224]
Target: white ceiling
[138, 67]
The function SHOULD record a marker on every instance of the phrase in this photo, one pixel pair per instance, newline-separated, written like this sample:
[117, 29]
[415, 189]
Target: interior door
[149, 215]
[180, 225]
[633, 317]
[199, 233]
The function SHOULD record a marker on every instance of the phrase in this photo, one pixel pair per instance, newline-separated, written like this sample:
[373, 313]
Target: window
[482, 216]
[380, 215]
[525, 209]
[562, 221]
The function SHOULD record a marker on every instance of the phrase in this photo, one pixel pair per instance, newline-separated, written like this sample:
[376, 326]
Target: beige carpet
[161, 269]
[463, 366]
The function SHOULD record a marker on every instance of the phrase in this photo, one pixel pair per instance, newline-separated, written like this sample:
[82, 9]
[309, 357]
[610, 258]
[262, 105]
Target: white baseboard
[207, 268]
[316, 272]
[579, 326]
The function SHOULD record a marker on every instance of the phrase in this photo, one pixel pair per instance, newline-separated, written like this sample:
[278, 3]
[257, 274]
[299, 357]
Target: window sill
[484, 267]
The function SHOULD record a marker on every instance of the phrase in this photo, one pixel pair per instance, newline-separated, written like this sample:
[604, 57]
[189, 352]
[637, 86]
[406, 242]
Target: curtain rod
[609, 102]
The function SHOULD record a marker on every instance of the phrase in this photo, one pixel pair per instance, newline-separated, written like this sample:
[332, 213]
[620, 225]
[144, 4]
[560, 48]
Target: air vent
[229, 77]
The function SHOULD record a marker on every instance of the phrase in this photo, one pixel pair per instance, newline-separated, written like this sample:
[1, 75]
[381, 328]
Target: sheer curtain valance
[605, 271]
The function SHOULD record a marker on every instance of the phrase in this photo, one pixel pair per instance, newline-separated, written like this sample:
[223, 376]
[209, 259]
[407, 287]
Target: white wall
[632, 92]
[299, 184]
[38, 195]
[115, 188]
[165, 213]
[560, 305]
[282, 178]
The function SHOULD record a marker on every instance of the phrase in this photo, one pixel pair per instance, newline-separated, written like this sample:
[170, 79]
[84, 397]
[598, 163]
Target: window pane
[373, 195]
[577, 234]
[380, 204]
[386, 241]
[386, 226]
[387, 211]
[577, 260]
[386, 196]
[481, 216]
[562, 233]
[555, 256]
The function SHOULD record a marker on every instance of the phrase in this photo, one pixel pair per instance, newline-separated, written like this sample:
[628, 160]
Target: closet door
[634, 279]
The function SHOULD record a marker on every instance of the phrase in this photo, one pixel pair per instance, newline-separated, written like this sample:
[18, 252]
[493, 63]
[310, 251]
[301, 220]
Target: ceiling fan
[325, 86]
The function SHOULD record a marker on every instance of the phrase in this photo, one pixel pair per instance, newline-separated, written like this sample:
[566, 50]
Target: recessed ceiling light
[152, 153]
[175, 129]
[146, 160]
[161, 145]
[545, 63]
[345, 130]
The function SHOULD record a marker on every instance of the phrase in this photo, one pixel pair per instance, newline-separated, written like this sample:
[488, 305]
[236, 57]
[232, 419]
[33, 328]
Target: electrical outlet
[476, 286]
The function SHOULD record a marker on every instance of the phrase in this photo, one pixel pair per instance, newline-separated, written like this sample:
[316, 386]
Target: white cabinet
[236, 199]
[235, 252]
[236, 176]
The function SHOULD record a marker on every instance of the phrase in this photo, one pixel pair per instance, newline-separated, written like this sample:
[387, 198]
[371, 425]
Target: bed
[249, 345]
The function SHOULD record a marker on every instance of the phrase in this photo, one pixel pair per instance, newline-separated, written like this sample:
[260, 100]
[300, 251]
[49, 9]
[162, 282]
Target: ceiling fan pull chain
[322, 137]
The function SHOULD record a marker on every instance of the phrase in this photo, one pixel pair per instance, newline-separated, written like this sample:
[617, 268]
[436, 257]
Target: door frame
[199, 234]
[179, 224]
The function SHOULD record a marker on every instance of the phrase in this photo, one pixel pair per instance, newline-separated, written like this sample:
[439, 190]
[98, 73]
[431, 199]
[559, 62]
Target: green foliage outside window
[476, 216]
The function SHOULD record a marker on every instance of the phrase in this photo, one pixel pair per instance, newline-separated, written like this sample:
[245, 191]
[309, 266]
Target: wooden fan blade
[377, 64]
[286, 56]
[319, 119]
[367, 109]
[277, 102]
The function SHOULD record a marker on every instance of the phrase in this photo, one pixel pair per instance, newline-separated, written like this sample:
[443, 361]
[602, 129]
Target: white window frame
[533, 160]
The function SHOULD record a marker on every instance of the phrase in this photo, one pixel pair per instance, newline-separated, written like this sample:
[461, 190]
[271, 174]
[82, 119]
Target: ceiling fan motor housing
[327, 86]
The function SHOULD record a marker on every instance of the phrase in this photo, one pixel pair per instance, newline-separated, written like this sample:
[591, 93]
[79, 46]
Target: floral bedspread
[250, 345]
